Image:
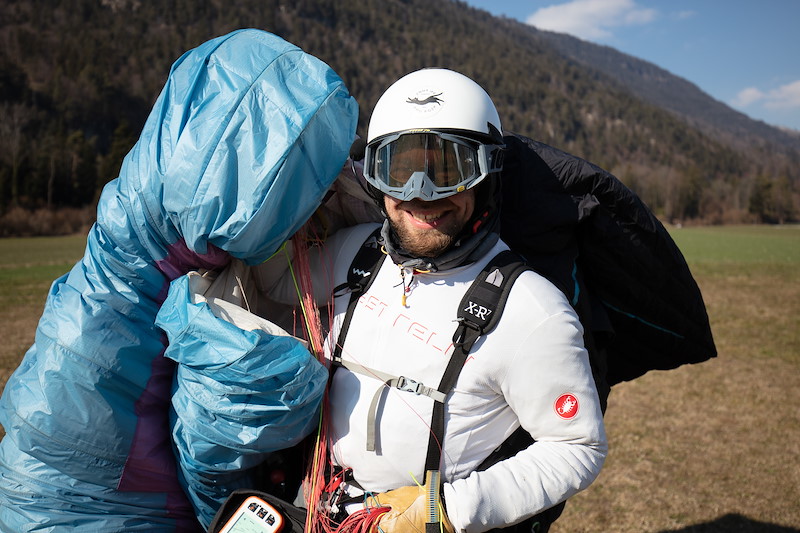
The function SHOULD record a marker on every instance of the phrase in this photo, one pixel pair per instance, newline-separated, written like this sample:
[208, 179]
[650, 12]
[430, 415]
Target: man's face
[426, 229]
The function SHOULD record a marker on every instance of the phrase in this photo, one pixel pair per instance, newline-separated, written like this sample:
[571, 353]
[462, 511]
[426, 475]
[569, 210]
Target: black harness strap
[365, 266]
[478, 314]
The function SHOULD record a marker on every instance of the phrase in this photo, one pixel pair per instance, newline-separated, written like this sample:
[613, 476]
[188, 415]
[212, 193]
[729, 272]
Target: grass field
[713, 447]
[707, 448]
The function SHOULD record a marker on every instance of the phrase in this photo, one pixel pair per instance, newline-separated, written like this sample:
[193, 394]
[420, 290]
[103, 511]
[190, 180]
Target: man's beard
[428, 243]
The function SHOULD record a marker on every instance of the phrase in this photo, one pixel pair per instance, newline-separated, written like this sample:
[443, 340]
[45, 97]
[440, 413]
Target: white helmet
[432, 134]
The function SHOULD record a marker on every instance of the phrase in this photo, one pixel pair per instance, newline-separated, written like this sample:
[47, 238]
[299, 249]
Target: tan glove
[411, 508]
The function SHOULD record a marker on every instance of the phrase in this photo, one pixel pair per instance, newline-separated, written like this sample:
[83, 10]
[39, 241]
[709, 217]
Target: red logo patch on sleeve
[566, 406]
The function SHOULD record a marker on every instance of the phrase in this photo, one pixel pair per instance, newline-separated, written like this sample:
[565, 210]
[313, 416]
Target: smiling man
[415, 417]
[462, 397]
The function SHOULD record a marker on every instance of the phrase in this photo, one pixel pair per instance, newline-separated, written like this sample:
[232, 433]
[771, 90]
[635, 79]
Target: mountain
[78, 77]
[657, 86]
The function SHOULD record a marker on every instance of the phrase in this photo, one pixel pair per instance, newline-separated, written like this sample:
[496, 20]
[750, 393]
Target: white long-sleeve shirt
[529, 371]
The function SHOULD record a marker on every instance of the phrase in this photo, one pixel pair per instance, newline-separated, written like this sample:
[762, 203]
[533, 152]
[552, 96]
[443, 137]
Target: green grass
[739, 244]
[29, 266]
[721, 250]
[18, 254]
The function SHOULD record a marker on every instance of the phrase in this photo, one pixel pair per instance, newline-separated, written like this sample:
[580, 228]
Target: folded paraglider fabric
[247, 135]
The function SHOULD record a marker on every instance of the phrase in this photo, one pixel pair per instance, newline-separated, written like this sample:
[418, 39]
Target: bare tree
[16, 117]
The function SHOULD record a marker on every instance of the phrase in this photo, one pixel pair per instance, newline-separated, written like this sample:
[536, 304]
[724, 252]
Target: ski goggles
[428, 165]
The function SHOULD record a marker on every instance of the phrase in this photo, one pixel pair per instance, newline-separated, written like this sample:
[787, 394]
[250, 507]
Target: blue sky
[743, 53]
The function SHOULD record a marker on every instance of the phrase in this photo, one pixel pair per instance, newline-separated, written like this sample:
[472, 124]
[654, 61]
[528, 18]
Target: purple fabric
[151, 465]
[180, 260]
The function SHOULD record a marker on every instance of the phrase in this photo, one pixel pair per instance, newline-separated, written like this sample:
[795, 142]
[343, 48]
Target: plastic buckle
[409, 385]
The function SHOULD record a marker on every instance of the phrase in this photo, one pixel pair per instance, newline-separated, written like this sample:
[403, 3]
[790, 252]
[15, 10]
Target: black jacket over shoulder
[582, 228]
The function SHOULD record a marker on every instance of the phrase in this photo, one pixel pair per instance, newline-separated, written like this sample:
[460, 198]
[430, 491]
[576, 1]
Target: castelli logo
[426, 101]
[566, 406]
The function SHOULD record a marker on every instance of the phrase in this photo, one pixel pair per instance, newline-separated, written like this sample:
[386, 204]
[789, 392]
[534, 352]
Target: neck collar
[470, 247]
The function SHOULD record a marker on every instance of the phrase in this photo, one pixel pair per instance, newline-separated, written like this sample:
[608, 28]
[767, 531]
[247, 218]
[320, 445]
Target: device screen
[254, 516]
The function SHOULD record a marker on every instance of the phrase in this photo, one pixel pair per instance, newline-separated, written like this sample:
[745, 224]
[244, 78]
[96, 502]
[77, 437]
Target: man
[433, 160]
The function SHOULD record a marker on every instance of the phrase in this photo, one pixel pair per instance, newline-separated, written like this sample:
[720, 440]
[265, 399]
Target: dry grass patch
[692, 445]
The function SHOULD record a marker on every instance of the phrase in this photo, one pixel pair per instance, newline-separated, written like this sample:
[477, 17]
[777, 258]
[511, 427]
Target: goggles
[428, 165]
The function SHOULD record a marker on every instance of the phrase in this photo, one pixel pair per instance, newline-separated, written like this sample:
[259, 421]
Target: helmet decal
[425, 101]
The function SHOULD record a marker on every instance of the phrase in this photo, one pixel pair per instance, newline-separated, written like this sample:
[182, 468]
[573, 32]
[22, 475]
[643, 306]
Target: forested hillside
[78, 77]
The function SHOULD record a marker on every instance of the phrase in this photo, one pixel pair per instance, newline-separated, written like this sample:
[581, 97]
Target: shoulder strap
[363, 269]
[478, 314]
[483, 303]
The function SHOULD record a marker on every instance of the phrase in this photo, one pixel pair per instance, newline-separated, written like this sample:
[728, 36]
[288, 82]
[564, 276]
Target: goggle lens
[445, 162]
[429, 164]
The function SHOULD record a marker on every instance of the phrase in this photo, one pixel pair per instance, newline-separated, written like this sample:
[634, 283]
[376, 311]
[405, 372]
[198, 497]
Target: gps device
[254, 515]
